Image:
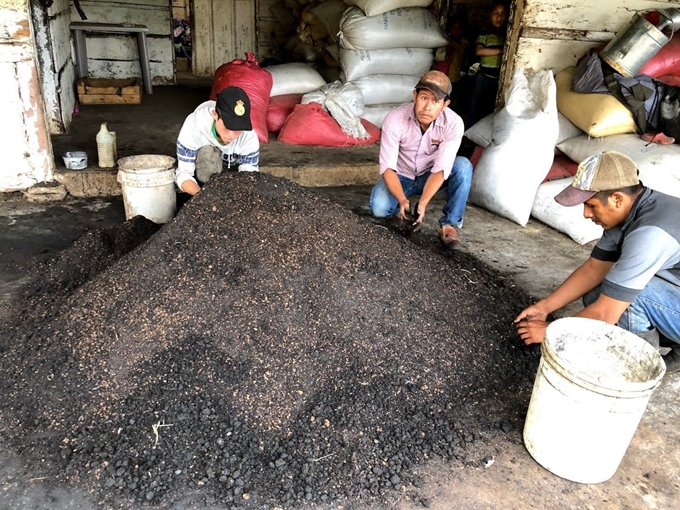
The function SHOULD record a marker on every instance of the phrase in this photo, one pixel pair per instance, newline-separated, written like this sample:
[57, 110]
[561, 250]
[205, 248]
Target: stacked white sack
[385, 54]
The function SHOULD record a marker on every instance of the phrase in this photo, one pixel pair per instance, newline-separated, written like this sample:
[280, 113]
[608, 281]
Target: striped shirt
[408, 151]
[197, 132]
[491, 65]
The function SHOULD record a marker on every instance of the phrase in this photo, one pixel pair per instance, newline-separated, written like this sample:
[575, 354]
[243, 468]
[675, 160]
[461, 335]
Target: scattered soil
[268, 348]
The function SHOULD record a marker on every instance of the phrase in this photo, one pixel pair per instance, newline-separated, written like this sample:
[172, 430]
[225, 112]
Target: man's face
[608, 213]
[499, 16]
[427, 106]
[226, 135]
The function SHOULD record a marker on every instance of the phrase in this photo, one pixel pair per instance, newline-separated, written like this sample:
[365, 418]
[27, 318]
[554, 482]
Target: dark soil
[267, 348]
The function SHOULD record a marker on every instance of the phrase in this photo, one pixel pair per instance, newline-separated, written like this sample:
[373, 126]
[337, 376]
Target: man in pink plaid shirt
[418, 149]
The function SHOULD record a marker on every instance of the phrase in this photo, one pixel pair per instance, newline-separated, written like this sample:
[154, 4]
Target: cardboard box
[109, 91]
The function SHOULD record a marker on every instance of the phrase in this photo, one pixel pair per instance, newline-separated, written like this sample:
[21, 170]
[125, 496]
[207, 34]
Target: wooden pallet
[109, 91]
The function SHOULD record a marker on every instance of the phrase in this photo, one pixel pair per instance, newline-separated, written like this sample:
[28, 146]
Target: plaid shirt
[409, 152]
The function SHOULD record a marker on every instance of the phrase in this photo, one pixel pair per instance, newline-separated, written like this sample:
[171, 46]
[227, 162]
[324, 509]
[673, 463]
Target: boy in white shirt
[223, 124]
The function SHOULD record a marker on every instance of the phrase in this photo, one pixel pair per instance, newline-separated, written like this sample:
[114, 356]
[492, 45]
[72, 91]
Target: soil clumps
[267, 348]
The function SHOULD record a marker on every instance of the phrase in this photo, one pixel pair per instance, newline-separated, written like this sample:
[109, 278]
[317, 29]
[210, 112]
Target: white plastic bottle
[105, 150]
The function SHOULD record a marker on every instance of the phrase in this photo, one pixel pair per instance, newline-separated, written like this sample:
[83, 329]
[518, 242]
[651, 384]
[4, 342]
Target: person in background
[455, 63]
[632, 278]
[418, 149]
[221, 127]
[489, 48]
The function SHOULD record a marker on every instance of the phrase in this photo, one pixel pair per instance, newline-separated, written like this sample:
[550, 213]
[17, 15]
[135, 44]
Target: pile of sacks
[382, 47]
[517, 181]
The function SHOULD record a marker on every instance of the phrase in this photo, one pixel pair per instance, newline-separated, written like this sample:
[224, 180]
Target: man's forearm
[432, 185]
[582, 280]
[394, 185]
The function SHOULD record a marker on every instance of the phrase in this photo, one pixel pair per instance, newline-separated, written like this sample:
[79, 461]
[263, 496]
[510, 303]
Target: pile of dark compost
[267, 348]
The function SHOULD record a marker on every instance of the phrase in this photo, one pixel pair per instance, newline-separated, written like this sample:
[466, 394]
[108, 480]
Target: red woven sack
[280, 107]
[257, 83]
[310, 124]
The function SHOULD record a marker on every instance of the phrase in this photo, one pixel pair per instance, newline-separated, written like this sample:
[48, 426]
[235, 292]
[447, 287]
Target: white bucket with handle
[593, 384]
[148, 184]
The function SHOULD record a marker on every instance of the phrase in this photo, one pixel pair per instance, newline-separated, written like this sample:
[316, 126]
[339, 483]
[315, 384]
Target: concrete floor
[535, 258]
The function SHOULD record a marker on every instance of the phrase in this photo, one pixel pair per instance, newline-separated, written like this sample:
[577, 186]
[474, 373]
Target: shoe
[672, 360]
[449, 237]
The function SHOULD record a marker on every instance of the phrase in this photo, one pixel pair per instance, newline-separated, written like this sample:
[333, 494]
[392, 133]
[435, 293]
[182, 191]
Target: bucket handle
[668, 17]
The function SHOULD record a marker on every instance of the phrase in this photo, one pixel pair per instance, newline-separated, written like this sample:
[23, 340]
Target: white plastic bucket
[593, 384]
[148, 183]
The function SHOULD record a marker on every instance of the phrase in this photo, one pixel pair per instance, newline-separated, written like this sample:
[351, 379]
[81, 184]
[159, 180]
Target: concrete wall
[554, 34]
[56, 62]
[116, 56]
[24, 142]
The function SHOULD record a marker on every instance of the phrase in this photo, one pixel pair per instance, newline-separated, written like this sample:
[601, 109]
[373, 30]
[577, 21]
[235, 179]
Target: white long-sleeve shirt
[197, 131]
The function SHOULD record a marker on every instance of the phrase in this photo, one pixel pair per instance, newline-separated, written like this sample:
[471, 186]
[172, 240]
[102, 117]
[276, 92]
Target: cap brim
[571, 196]
[435, 90]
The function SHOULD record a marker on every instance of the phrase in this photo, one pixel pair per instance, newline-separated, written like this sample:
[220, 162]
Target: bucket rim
[131, 163]
[593, 383]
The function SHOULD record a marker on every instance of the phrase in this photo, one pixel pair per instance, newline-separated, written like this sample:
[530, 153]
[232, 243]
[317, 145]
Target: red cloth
[666, 61]
[310, 124]
[280, 107]
[562, 167]
[255, 81]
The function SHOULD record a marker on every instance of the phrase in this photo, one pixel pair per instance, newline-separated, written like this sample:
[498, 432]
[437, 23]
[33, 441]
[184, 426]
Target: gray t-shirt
[646, 245]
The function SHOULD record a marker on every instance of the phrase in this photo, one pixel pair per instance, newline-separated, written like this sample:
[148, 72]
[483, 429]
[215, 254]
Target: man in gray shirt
[632, 278]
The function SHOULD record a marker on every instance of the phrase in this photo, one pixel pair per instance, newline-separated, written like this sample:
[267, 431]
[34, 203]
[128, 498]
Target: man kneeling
[418, 149]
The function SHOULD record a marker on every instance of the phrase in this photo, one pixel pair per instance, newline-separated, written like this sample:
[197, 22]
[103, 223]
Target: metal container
[76, 160]
[639, 41]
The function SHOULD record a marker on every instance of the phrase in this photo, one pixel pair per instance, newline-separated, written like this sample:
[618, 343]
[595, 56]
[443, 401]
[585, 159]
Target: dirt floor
[493, 471]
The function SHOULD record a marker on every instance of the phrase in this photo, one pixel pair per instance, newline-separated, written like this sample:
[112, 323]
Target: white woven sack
[359, 63]
[413, 27]
[376, 113]
[658, 165]
[345, 103]
[375, 7]
[482, 132]
[294, 78]
[568, 220]
[387, 88]
[524, 133]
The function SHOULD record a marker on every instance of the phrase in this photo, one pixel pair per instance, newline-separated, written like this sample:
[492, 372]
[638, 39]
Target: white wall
[24, 142]
[554, 34]
[56, 63]
[116, 56]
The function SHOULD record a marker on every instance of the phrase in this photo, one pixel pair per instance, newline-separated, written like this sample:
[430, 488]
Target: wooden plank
[110, 99]
[567, 35]
[535, 54]
[202, 44]
[604, 16]
[244, 28]
[155, 15]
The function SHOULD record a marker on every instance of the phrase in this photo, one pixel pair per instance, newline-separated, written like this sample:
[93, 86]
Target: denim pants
[457, 188]
[657, 306]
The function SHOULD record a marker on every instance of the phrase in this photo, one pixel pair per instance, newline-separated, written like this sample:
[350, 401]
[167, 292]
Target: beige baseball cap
[605, 171]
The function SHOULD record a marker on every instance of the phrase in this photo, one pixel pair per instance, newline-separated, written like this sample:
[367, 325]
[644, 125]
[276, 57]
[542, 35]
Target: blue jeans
[657, 306]
[457, 187]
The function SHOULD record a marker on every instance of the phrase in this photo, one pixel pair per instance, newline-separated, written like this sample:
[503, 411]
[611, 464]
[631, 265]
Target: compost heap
[266, 348]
